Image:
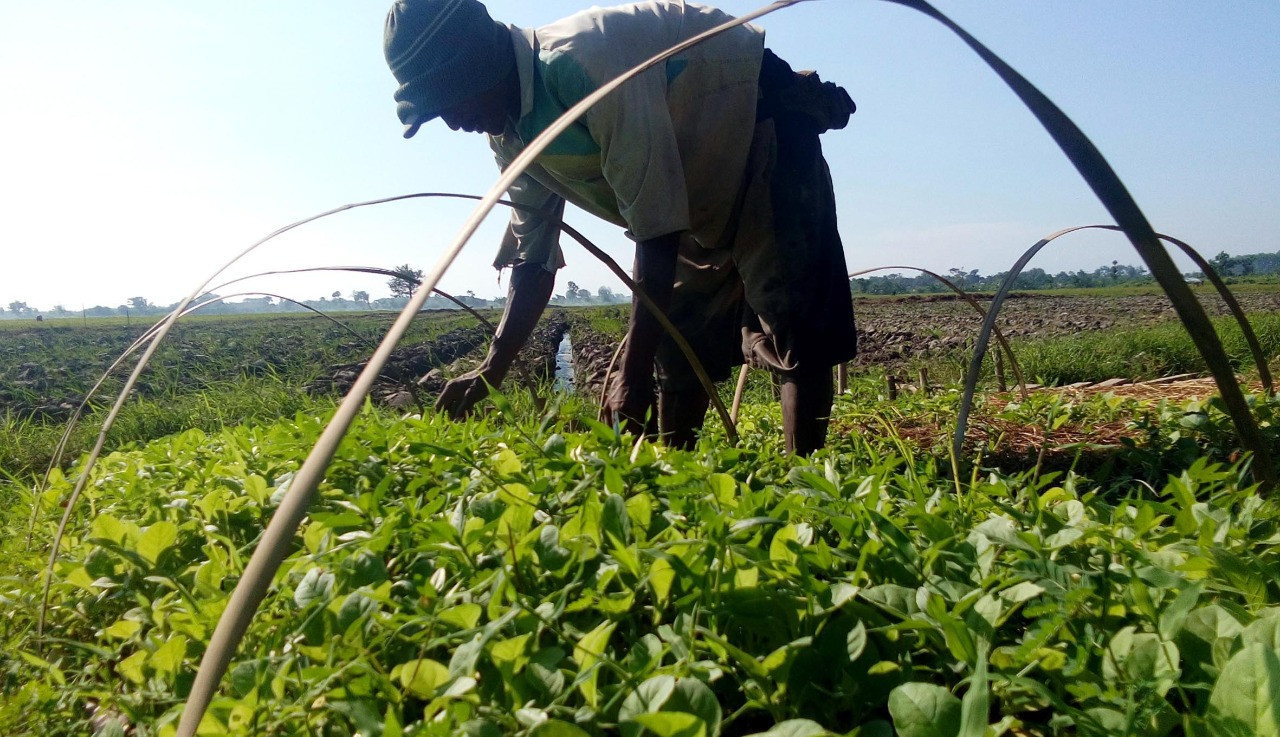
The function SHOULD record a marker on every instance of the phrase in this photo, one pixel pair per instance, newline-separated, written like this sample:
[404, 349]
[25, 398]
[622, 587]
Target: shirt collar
[525, 41]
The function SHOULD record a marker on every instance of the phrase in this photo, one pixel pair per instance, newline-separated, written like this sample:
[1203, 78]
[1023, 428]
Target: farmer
[711, 161]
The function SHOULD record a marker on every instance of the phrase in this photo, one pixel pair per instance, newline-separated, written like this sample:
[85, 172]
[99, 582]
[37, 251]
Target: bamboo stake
[608, 374]
[737, 392]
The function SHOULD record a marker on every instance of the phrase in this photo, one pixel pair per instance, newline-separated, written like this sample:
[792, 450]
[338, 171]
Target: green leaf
[672, 724]
[506, 462]
[588, 652]
[509, 655]
[1019, 593]
[780, 549]
[924, 710]
[131, 667]
[123, 629]
[501, 402]
[365, 568]
[391, 726]
[897, 600]
[661, 576]
[1265, 631]
[106, 527]
[725, 489]
[1174, 615]
[362, 714]
[316, 585]
[856, 641]
[112, 728]
[168, 657]
[751, 522]
[548, 549]
[842, 593]
[694, 697]
[795, 728]
[1208, 635]
[976, 703]
[557, 728]
[613, 481]
[1109, 721]
[463, 616]
[648, 697]
[244, 678]
[255, 487]
[1141, 658]
[1246, 699]
[549, 680]
[466, 655]
[357, 607]
[480, 728]
[156, 539]
[210, 576]
[874, 728]
[423, 676]
[615, 521]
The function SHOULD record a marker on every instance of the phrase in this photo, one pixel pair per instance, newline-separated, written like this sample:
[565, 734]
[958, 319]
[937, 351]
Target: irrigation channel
[415, 374]
[564, 364]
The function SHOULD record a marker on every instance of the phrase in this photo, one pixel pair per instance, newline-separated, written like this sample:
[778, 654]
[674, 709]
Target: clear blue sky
[144, 142]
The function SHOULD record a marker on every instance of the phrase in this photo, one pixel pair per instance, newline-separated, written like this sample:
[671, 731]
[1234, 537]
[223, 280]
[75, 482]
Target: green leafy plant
[534, 572]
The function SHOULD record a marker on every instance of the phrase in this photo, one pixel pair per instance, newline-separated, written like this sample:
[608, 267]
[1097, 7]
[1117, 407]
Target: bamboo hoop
[982, 314]
[608, 374]
[60, 448]
[1013, 361]
[1263, 468]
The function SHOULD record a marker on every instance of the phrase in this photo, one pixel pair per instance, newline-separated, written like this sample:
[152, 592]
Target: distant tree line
[575, 295]
[1115, 274]
[401, 286]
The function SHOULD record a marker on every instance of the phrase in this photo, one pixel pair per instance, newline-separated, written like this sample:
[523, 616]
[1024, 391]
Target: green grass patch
[26, 445]
[1147, 353]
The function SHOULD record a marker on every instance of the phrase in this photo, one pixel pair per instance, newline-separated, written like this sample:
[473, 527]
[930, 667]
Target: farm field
[1093, 565]
[211, 372]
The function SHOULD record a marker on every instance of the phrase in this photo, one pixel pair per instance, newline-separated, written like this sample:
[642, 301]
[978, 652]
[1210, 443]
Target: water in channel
[564, 365]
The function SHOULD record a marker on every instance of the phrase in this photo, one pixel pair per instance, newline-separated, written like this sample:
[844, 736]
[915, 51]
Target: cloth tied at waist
[782, 91]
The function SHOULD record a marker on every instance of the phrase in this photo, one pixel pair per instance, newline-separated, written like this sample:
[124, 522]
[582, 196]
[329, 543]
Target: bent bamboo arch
[360, 270]
[982, 314]
[988, 324]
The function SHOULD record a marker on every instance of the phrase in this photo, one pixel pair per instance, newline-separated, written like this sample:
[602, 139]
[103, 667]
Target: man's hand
[462, 394]
[531, 287]
[633, 408]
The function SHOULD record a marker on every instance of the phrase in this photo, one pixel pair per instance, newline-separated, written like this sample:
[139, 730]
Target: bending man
[712, 163]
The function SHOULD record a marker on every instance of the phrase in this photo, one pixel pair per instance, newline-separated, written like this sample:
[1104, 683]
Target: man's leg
[680, 416]
[795, 280]
[706, 307]
[806, 409]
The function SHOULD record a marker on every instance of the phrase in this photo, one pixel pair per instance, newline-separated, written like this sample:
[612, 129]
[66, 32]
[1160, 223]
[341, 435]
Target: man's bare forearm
[655, 271]
[531, 287]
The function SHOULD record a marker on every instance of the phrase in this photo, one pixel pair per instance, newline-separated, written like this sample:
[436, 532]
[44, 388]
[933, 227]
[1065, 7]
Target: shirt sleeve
[639, 156]
[532, 237]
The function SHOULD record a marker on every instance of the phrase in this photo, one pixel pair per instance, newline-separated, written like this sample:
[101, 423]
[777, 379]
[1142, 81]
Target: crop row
[534, 573]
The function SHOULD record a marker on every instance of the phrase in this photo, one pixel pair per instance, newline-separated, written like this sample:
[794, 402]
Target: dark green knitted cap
[442, 52]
